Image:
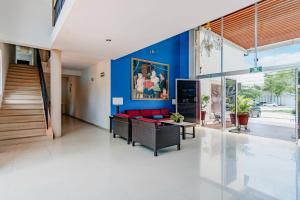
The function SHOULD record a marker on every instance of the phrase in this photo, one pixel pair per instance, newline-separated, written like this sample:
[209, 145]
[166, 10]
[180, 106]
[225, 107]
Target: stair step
[22, 101]
[22, 88]
[24, 140]
[21, 106]
[19, 92]
[21, 118]
[23, 96]
[23, 77]
[19, 112]
[22, 126]
[22, 134]
[24, 80]
[28, 69]
[23, 71]
[22, 66]
[18, 75]
[19, 83]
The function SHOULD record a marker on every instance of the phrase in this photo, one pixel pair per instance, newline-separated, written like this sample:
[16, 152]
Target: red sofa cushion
[146, 113]
[123, 115]
[134, 113]
[156, 112]
[165, 111]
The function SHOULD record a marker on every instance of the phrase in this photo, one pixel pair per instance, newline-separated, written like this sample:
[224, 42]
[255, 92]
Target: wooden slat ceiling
[278, 21]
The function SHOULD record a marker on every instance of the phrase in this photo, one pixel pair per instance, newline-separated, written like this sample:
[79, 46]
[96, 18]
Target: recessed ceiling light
[108, 40]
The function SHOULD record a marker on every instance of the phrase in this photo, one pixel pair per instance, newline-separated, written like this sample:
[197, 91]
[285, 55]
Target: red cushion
[123, 115]
[150, 120]
[146, 113]
[164, 111]
[156, 112]
[133, 113]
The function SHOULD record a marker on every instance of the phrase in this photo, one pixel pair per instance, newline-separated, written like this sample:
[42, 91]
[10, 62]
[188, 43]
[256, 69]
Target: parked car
[270, 104]
[255, 111]
[261, 103]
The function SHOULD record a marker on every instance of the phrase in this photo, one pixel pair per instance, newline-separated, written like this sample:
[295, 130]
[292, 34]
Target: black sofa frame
[122, 127]
[155, 136]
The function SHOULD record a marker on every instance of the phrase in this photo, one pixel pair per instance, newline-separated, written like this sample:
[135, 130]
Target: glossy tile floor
[88, 164]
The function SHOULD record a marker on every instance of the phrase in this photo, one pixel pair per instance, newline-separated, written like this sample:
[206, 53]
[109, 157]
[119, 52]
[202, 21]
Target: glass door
[262, 104]
[231, 103]
[211, 102]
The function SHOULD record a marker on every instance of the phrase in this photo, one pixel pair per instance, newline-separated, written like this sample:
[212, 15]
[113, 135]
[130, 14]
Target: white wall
[68, 72]
[25, 54]
[234, 58]
[7, 57]
[90, 100]
[26, 22]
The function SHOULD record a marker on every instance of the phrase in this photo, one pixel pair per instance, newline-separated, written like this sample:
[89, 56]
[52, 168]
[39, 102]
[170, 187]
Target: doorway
[211, 102]
[267, 99]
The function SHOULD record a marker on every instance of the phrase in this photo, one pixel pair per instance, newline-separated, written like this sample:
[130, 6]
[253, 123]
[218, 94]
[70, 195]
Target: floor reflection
[250, 168]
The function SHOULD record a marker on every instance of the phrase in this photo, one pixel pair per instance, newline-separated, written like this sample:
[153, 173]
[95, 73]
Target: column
[55, 85]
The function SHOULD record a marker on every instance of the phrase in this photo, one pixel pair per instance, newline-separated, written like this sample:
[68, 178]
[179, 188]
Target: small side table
[184, 126]
[110, 123]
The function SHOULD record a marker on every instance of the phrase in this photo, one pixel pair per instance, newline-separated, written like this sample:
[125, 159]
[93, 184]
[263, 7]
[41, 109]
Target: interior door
[188, 100]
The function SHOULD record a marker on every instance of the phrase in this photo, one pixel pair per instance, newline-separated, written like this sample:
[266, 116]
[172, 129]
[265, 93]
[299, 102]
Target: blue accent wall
[173, 51]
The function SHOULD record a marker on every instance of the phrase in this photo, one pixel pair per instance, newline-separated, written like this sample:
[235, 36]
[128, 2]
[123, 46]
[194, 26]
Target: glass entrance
[211, 98]
[262, 104]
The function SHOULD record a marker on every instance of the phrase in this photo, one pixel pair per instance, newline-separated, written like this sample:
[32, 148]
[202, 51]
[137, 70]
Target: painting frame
[163, 94]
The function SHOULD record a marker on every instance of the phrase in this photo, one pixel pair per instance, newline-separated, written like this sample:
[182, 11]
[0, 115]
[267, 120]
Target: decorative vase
[203, 113]
[233, 118]
[243, 119]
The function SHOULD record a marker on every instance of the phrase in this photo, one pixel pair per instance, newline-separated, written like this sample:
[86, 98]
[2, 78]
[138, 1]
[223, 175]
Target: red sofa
[149, 113]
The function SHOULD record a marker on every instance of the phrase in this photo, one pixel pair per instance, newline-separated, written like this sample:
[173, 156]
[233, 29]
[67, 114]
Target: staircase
[22, 117]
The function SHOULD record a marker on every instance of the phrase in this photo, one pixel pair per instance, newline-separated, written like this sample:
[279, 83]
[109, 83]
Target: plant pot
[233, 118]
[203, 113]
[243, 119]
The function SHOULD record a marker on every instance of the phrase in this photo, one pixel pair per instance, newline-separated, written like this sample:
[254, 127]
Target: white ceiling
[131, 24]
[77, 61]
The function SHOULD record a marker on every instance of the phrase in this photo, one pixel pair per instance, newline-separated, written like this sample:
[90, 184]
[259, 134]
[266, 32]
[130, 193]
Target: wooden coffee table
[184, 126]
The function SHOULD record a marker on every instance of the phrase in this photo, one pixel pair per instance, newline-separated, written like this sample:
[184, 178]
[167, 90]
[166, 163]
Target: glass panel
[211, 92]
[209, 44]
[298, 91]
[231, 94]
[269, 100]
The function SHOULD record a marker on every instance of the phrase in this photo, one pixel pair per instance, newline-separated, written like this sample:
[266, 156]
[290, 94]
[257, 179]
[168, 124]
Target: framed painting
[149, 80]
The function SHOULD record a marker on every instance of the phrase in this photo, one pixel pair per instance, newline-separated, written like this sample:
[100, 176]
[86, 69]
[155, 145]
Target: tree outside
[279, 83]
[252, 92]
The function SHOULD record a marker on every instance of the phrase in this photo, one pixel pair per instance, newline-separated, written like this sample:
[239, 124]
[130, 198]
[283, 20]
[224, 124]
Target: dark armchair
[154, 135]
[122, 127]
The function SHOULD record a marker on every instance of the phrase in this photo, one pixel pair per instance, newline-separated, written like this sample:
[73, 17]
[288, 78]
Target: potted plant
[243, 109]
[176, 117]
[232, 113]
[204, 101]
